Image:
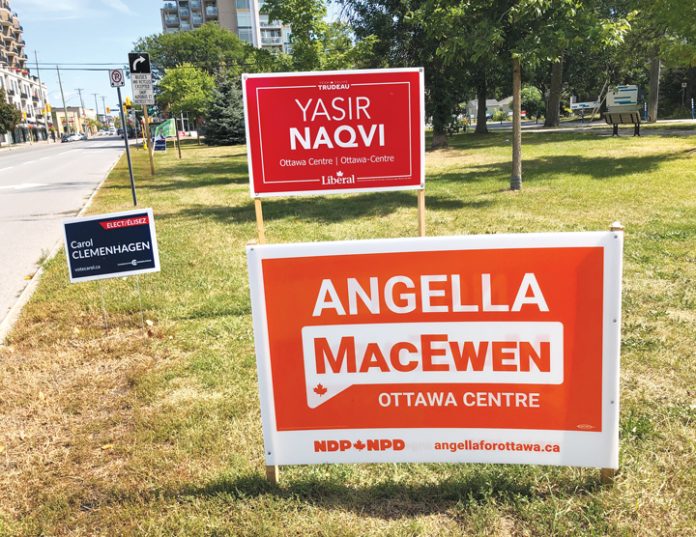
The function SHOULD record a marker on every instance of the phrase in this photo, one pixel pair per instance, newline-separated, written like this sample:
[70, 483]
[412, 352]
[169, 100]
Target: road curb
[13, 315]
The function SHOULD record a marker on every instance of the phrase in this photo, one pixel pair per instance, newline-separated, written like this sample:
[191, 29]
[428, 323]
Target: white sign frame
[578, 448]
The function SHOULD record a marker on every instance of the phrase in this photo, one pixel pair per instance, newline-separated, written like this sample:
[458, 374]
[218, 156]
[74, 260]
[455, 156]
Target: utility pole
[45, 108]
[65, 108]
[109, 123]
[96, 104]
[84, 115]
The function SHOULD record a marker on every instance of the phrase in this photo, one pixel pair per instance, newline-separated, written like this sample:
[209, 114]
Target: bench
[624, 117]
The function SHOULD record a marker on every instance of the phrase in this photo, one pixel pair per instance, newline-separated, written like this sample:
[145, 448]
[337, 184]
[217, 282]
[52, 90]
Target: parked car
[71, 138]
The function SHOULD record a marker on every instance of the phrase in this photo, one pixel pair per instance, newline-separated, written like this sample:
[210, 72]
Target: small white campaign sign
[111, 245]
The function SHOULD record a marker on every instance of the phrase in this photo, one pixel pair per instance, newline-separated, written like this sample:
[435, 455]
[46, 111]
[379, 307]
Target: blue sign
[111, 245]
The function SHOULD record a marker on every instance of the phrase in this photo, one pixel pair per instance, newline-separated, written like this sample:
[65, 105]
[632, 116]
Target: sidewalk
[27, 146]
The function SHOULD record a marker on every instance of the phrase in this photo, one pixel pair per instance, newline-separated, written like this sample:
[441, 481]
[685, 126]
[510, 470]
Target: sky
[84, 31]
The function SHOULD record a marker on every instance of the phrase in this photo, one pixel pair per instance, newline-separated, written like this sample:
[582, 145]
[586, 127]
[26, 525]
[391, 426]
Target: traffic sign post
[124, 126]
[141, 78]
[143, 93]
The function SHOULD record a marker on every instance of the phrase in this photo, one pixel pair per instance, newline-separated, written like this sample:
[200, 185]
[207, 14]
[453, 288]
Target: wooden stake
[421, 212]
[259, 221]
[150, 143]
[607, 476]
[273, 474]
[178, 140]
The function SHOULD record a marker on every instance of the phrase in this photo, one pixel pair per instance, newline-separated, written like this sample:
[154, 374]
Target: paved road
[39, 186]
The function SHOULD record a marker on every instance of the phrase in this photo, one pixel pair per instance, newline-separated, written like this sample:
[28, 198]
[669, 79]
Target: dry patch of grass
[120, 432]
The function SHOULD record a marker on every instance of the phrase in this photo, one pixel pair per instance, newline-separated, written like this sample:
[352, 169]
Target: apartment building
[22, 89]
[78, 120]
[240, 16]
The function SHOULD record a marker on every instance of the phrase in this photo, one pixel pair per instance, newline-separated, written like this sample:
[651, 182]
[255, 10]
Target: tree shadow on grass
[543, 168]
[390, 500]
[504, 139]
[186, 176]
[329, 209]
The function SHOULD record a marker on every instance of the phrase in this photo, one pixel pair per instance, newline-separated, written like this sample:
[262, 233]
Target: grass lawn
[114, 432]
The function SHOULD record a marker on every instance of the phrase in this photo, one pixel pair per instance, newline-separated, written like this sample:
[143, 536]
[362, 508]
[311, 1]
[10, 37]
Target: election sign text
[111, 245]
[464, 349]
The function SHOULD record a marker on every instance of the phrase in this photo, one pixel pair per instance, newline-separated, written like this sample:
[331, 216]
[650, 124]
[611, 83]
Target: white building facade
[22, 90]
[243, 17]
[30, 97]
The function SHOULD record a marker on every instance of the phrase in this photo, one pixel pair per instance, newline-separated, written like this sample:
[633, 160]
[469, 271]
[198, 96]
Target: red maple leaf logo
[359, 445]
[320, 390]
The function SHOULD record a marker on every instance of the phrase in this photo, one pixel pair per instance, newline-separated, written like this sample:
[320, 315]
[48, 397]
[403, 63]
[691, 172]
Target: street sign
[335, 131]
[588, 105]
[143, 91]
[622, 96]
[139, 63]
[111, 245]
[141, 78]
[116, 77]
[490, 349]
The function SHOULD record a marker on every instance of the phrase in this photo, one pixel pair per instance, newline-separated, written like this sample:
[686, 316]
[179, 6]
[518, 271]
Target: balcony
[184, 13]
[197, 19]
[211, 12]
[195, 4]
[170, 6]
[185, 26]
[171, 20]
[271, 41]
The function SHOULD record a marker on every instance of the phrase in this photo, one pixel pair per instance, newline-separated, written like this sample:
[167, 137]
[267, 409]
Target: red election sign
[492, 349]
[335, 131]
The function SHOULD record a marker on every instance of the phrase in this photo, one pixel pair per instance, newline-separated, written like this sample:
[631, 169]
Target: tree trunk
[516, 179]
[553, 110]
[442, 115]
[439, 140]
[653, 98]
[481, 111]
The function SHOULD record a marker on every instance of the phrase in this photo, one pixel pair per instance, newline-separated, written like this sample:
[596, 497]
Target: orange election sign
[495, 349]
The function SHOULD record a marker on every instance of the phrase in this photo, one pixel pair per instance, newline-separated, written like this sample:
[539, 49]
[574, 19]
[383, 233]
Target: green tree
[210, 48]
[307, 19]
[225, 118]
[532, 101]
[316, 43]
[667, 30]
[404, 34]
[9, 115]
[186, 88]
